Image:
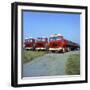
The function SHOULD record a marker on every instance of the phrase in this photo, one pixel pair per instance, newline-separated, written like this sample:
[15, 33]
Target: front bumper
[40, 48]
[28, 48]
[55, 49]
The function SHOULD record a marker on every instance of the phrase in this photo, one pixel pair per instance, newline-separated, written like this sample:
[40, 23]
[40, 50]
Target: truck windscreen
[55, 38]
[28, 40]
[41, 39]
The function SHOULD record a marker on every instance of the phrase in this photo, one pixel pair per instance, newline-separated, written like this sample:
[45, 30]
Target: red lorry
[41, 43]
[58, 43]
[29, 44]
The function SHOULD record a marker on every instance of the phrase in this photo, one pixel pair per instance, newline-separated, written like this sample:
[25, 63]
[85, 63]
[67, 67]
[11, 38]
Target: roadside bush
[30, 55]
[73, 65]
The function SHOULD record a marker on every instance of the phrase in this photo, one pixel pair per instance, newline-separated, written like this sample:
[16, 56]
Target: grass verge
[30, 55]
[73, 65]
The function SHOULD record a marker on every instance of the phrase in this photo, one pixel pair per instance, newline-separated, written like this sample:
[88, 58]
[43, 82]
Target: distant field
[30, 55]
[73, 65]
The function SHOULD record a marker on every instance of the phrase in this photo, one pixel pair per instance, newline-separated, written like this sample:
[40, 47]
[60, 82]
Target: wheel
[68, 49]
[63, 50]
[46, 47]
[33, 47]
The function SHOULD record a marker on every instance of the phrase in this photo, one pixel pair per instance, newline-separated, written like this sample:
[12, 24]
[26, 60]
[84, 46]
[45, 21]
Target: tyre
[68, 49]
[33, 47]
[46, 47]
[63, 50]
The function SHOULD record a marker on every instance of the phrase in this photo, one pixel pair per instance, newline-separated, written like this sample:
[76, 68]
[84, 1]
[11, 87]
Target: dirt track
[49, 64]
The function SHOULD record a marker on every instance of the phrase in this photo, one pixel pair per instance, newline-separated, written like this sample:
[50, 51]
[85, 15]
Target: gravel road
[47, 65]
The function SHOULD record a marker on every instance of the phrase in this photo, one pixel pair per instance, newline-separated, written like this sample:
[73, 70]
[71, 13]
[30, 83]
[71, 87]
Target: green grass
[30, 55]
[73, 65]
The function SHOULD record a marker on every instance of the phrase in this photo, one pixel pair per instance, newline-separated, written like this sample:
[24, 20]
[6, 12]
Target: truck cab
[29, 44]
[56, 42]
[41, 43]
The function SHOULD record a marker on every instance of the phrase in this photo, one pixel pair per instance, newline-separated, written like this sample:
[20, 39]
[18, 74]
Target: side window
[29, 40]
[26, 40]
[59, 38]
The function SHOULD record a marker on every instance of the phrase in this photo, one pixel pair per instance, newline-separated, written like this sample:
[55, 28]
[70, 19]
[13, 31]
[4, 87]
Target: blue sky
[38, 24]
